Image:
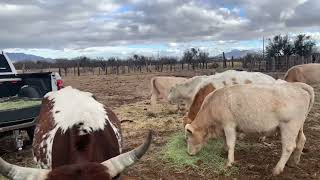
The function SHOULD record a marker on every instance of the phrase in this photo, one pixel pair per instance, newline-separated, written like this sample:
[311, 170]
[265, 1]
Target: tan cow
[161, 85]
[254, 108]
[227, 78]
[306, 73]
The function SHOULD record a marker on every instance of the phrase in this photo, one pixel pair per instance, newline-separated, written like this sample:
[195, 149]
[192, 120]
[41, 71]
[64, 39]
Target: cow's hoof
[228, 165]
[277, 171]
[293, 161]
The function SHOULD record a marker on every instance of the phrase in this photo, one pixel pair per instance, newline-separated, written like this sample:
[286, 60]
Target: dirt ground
[128, 96]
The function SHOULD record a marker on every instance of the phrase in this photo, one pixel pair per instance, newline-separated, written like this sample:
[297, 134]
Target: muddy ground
[128, 96]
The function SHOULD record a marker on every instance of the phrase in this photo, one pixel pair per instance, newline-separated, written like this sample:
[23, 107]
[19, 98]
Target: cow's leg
[231, 136]
[289, 132]
[153, 99]
[295, 157]
[225, 146]
[179, 106]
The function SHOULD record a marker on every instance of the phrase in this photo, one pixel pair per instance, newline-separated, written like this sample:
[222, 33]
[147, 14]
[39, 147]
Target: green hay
[210, 158]
[18, 104]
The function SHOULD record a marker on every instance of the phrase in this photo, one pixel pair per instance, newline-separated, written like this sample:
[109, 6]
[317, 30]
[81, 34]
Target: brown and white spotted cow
[107, 170]
[74, 128]
[306, 73]
[220, 80]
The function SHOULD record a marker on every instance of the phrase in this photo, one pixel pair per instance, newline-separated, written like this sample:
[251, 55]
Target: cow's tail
[310, 91]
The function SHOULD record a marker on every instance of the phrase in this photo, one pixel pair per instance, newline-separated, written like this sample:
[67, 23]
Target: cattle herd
[78, 138]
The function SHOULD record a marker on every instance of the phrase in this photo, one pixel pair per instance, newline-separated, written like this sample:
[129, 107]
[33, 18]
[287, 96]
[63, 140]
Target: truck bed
[40, 80]
[17, 103]
[18, 112]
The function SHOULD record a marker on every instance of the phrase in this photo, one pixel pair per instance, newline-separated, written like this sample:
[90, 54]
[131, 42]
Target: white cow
[185, 91]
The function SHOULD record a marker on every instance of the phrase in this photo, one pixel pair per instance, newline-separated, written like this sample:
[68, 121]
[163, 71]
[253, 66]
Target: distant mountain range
[236, 53]
[18, 57]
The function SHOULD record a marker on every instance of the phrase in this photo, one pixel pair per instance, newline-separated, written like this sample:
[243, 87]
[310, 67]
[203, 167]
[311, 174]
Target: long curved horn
[117, 164]
[21, 173]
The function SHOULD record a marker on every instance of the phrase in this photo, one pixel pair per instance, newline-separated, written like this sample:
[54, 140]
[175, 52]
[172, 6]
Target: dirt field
[128, 96]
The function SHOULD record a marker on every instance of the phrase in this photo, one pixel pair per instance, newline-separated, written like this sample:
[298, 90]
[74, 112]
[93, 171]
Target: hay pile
[210, 158]
[18, 104]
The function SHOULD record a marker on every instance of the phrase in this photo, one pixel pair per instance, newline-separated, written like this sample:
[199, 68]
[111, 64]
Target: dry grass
[128, 96]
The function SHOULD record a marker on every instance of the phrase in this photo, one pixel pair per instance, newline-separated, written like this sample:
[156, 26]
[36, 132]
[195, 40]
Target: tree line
[136, 63]
[279, 50]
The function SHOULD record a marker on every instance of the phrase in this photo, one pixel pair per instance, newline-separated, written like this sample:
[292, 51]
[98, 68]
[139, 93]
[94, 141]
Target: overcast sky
[104, 28]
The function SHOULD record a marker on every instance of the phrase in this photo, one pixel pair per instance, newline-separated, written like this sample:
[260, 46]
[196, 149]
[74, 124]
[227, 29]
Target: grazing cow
[227, 78]
[107, 170]
[185, 91]
[161, 85]
[306, 73]
[254, 108]
[74, 128]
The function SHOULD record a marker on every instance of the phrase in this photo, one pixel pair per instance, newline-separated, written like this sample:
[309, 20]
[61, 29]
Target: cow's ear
[189, 129]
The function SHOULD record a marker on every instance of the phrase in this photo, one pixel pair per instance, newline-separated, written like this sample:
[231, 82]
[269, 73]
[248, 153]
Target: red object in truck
[60, 84]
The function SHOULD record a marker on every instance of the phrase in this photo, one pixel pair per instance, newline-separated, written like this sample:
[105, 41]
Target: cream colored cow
[306, 73]
[161, 85]
[254, 108]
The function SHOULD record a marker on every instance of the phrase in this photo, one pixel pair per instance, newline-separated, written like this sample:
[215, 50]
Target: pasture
[129, 96]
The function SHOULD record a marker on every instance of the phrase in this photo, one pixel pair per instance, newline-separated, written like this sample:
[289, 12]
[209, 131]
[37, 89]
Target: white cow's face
[172, 97]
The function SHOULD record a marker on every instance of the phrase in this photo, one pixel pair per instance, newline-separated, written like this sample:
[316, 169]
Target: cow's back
[162, 84]
[277, 103]
[306, 73]
[73, 127]
[97, 146]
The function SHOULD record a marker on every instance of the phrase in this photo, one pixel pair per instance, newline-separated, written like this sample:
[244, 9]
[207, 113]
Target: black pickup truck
[21, 95]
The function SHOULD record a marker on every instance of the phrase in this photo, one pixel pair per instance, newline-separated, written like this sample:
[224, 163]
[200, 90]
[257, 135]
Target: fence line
[249, 64]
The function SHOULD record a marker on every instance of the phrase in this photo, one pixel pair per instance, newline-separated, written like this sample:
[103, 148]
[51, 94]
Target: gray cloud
[91, 23]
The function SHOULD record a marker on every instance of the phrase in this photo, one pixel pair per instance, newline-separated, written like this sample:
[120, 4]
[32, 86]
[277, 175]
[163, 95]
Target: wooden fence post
[78, 67]
[65, 71]
[232, 65]
[273, 64]
[23, 67]
[224, 60]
